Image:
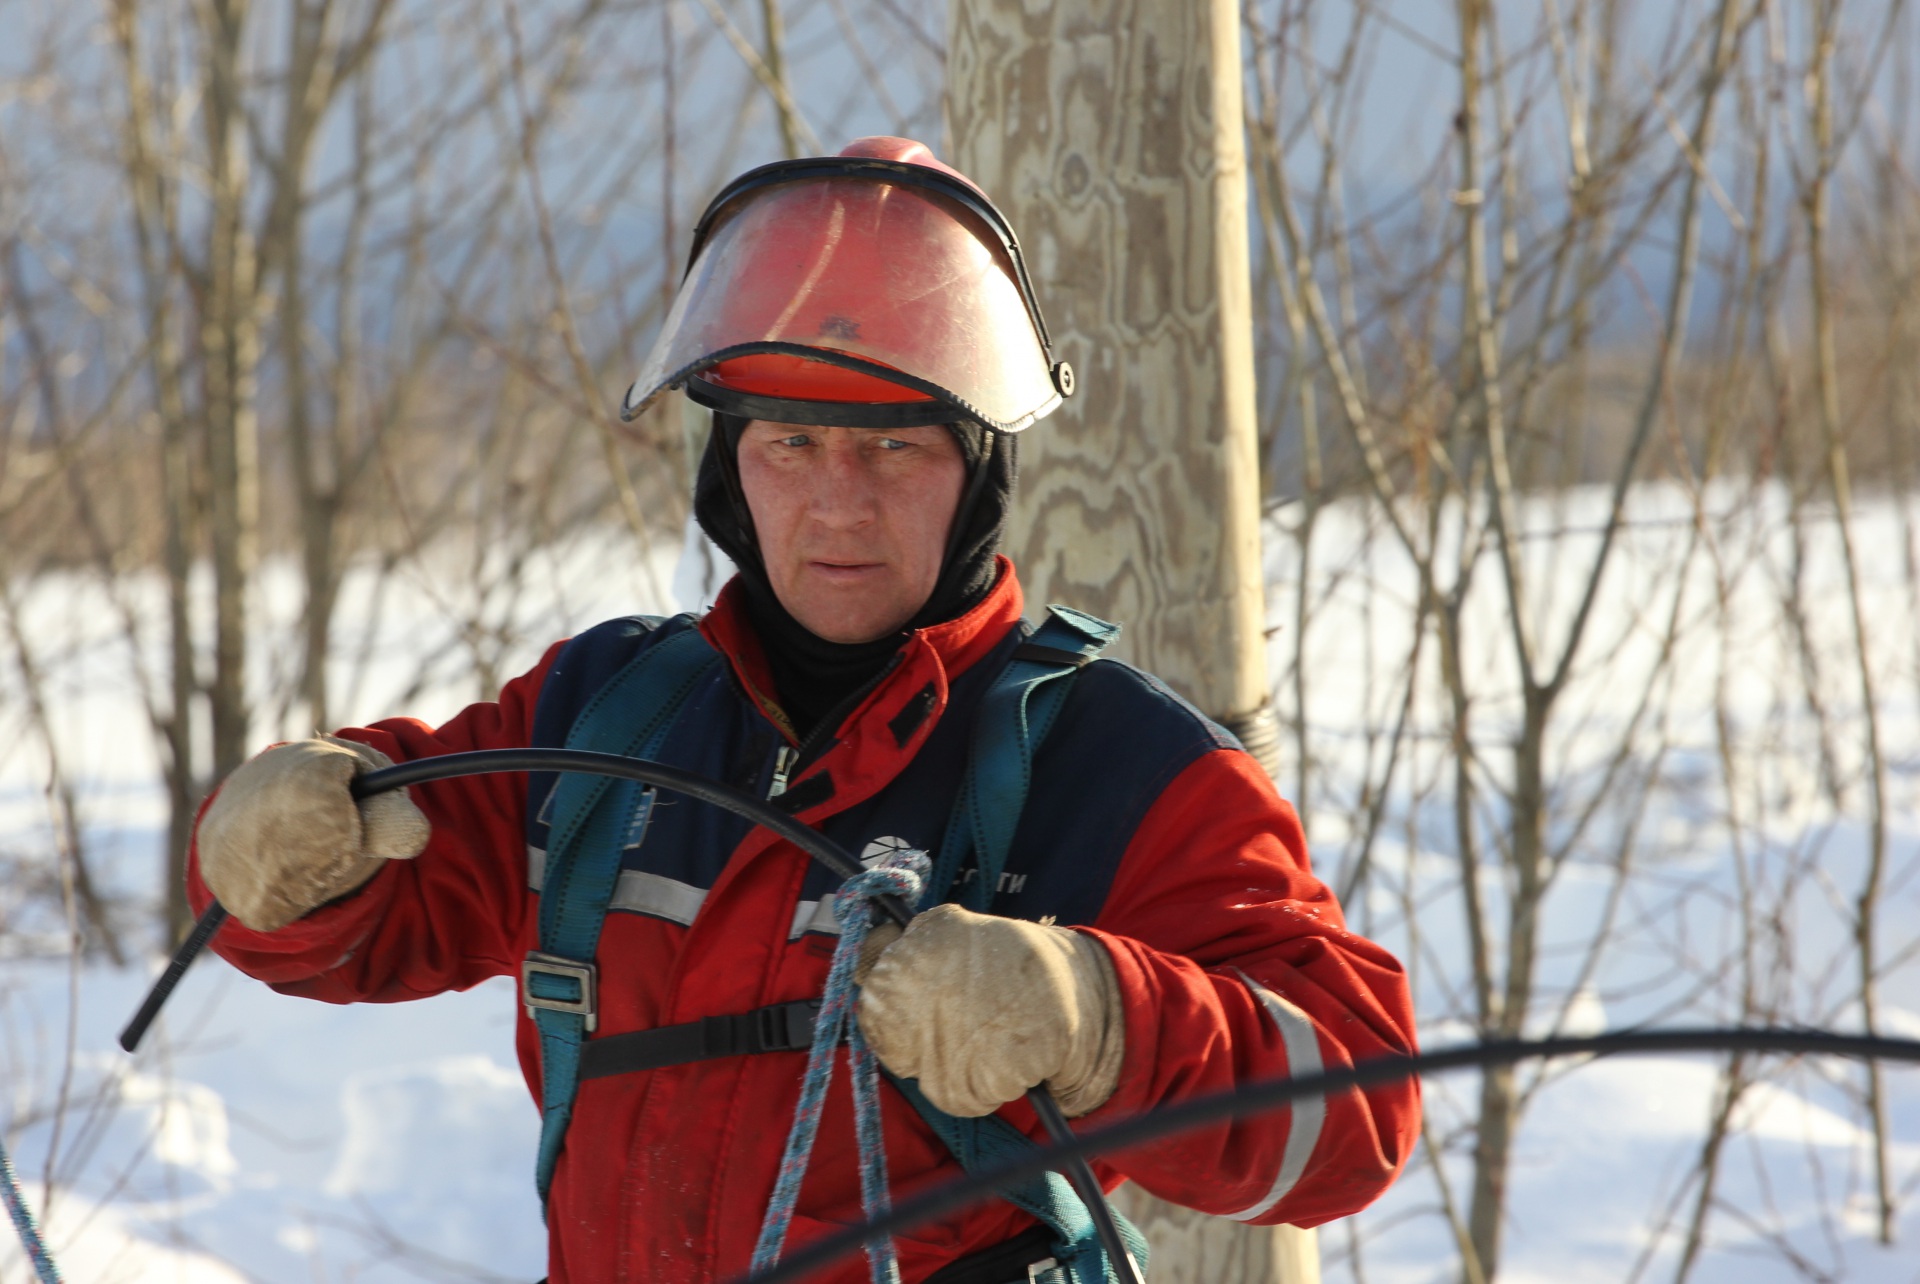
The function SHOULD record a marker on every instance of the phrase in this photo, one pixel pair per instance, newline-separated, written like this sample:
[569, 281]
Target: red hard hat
[875, 288]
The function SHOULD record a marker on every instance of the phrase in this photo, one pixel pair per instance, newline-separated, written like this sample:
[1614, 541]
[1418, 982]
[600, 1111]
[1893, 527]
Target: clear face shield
[848, 290]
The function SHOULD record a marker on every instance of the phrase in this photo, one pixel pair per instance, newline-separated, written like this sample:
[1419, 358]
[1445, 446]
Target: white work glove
[284, 836]
[979, 1009]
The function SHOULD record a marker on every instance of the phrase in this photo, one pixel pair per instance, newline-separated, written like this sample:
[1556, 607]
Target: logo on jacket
[881, 848]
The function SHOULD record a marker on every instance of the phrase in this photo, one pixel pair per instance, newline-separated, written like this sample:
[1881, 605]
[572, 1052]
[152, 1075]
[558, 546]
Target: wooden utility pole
[1112, 134]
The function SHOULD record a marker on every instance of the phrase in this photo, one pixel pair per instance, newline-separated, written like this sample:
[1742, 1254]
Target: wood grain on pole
[1111, 133]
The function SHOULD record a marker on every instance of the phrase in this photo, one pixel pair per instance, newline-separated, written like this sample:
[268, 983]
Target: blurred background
[1586, 353]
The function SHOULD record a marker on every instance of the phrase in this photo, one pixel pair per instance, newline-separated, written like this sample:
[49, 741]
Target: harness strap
[1014, 717]
[782, 1027]
[595, 820]
[1051, 655]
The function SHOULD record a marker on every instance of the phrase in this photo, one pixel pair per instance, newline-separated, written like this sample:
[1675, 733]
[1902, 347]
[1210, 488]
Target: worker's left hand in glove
[979, 1009]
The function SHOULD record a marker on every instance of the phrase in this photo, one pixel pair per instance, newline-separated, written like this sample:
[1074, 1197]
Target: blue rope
[23, 1222]
[902, 875]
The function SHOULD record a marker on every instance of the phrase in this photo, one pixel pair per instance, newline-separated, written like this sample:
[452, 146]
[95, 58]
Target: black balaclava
[814, 676]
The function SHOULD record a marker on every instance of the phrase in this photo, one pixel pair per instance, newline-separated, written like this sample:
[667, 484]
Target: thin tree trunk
[1499, 1102]
[283, 250]
[1499, 1095]
[229, 355]
[154, 237]
[1827, 389]
[774, 28]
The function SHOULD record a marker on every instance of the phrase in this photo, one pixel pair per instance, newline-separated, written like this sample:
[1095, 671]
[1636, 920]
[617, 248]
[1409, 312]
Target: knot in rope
[902, 874]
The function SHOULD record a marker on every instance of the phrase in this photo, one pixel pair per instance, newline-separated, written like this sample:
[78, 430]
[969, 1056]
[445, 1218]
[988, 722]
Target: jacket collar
[950, 647]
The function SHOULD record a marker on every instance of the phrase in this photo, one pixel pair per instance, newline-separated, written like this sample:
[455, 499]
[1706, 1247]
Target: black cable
[1068, 1152]
[483, 761]
[196, 941]
[421, 771]
[1270, 1094]
[1086, 1184]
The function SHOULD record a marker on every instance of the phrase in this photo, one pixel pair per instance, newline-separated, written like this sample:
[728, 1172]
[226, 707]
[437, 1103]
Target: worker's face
[852, 522]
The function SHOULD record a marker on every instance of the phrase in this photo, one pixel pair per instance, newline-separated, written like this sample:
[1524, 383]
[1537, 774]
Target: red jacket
[1146, 827]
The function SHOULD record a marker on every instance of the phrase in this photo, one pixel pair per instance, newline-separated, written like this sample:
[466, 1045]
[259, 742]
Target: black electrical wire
[1271, 1094]
[163, 987]
[1068, 1153]
[480, 762]
[421, 771]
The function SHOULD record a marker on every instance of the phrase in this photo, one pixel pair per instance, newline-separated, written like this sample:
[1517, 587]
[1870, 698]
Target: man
[866, 336]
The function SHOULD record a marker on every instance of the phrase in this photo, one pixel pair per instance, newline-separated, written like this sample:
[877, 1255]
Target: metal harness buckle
[584, 975]
[1042, 1268]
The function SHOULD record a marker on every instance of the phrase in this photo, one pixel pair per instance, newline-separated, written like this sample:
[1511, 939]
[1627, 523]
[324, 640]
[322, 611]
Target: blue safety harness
[594, 819]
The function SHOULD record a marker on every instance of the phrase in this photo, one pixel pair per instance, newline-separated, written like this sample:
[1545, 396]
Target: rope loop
[902, 874]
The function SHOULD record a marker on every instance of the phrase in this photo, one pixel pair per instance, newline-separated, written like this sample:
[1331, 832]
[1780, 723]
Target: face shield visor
[859, 292]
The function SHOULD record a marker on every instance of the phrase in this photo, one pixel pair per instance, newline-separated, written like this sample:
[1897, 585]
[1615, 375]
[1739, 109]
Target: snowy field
[263, 1138]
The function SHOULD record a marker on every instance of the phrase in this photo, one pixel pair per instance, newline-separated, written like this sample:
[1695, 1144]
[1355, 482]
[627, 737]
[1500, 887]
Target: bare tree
[1590, 432]
[1509, 469]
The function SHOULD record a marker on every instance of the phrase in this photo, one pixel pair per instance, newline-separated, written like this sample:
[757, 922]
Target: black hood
[815, 676]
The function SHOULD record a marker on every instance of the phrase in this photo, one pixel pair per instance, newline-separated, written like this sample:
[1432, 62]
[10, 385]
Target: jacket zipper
[788, 759]
[783, 759]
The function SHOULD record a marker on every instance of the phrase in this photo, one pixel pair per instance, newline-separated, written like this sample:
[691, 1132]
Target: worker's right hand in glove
[284, 836]
[979, 1009]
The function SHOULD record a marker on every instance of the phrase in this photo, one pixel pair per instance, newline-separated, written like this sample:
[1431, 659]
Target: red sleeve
[1235, 965]
[452, 917]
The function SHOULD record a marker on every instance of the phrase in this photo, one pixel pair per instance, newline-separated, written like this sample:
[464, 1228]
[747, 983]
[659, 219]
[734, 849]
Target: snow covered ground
[270, 1139]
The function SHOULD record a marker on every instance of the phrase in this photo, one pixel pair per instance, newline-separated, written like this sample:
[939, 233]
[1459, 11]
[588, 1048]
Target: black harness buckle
[786, 1027]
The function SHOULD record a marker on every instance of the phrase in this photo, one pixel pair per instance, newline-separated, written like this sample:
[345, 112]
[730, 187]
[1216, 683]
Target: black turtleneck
[813, 676]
